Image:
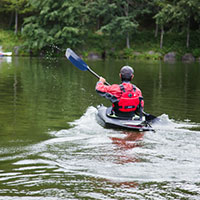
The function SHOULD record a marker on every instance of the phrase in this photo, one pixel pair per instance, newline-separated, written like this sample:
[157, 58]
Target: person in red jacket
[126, 98]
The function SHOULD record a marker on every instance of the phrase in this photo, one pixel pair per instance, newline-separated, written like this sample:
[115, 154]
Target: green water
[51, 146]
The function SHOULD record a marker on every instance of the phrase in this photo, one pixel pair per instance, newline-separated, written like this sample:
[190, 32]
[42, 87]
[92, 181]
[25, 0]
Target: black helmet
[126, 72]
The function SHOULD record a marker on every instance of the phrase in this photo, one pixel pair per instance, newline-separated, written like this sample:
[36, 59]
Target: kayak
[5, 54]
[108, 120]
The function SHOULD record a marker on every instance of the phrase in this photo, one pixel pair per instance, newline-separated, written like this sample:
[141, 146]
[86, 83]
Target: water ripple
[90, 162]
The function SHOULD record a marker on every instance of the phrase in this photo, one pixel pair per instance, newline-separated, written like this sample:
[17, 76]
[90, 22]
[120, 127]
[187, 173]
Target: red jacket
[115, 92]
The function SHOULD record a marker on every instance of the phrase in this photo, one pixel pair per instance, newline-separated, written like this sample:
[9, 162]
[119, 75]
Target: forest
[115, 28]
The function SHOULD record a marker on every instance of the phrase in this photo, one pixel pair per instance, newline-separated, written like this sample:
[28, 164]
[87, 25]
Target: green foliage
[164, 16]
[196, 52]
[104, 25]
[58, 23]
[178, 14]
[8, 40]
[20, 5]
[96, 41]
[123, 19]
[127, 53]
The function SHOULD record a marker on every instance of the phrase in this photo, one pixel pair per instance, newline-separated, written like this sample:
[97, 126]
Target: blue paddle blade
[76, 60]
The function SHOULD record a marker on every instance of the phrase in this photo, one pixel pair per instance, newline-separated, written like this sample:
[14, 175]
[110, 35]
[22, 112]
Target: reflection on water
[129, 141]
[52, 147]
[6, 59]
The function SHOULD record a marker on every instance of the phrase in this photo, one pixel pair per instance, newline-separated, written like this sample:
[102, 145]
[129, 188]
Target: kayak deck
[114, 122]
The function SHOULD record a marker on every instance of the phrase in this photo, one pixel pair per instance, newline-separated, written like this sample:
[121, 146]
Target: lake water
[51, 146]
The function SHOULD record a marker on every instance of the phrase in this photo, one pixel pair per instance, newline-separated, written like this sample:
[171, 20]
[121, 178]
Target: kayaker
[126, 98]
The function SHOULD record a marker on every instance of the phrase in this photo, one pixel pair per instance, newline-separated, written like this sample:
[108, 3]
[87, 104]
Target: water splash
[165, 123]
[53, 51]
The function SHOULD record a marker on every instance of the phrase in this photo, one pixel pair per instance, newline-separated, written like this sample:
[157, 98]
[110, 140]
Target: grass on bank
[8, 40]
[144, 45]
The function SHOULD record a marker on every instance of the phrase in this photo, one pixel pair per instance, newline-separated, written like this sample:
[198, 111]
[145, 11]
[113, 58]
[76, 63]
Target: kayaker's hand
[103, 80]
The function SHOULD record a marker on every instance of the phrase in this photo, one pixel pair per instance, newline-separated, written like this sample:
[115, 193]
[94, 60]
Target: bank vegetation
[101, 28]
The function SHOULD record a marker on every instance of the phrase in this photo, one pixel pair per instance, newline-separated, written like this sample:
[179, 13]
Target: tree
[163, 17]
[178, 14]
[183, 12]
[122, 21]
[17, 6]
[59, 23]
[100, 12]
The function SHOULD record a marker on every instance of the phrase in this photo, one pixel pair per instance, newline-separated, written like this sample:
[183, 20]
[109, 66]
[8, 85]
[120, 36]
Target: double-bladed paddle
[79, 63]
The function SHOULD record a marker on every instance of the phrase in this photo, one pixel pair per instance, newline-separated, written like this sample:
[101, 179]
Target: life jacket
[128, 102]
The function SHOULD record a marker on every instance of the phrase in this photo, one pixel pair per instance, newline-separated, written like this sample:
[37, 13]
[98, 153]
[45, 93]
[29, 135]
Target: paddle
[149, 117]
[79, 63]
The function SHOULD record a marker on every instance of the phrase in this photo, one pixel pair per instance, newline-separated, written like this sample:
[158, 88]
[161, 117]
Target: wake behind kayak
[108, 121]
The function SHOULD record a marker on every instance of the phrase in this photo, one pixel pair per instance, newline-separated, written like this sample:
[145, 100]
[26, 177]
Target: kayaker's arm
[102, 87]
[109, 92]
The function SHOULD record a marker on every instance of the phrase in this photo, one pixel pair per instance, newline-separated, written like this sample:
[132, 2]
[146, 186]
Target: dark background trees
[100, 23]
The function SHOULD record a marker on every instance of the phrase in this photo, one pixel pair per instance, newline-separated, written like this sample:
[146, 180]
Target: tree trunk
[127, 41]
[188, 35]
[161, 36]
[16, 22]
[156, 31]
[126, 9]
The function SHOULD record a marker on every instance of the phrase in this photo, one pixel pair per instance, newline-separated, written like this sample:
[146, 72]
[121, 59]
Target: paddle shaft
[95, 74]
[149, 117]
